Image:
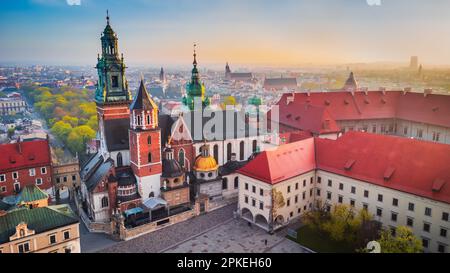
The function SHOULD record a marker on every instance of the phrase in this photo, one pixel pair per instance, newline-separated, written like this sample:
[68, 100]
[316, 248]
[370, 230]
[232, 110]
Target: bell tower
[145, 143]
[112, 96]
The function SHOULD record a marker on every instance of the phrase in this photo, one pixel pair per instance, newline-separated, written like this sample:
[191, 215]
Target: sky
[256, 32]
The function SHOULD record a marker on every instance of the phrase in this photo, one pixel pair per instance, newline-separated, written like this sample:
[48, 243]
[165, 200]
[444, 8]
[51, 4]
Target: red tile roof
[343, 105]
[306, 117]
[285, 162]
[402, 164]
[24, 154]
[294, 136]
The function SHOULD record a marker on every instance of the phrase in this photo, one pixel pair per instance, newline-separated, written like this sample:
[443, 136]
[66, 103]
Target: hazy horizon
[252, 32]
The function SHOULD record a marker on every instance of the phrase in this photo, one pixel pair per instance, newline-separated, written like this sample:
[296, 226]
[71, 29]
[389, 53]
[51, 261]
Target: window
[65, 179]
[241, 150]
[43, 170]
[15, 175]
[419, 133]
[329, 195]
[236, 182]
[225, 183]
[445, 216]
[304, 183]
[318, 192]
[304, 195]
[330, 183]
[261, 192]
[261, 205]
[254, 146]
[365, 206]
[246, 186]
[366, 193]
[379, 212]
[411, 206]
[148, 119]
[149, 157]
[395, 202]
[353, 190]
[311, 180]
[149, 140]
[289, 189]
[216, 152]
[288, 202]
[298, 211]
[38, 181]
[24, 248]
[380, 198]
[52, 239]
[246, 199]
[296, 199]
[394, 216]
[426, 227]
[296, 186]
[428, 211]
[229, 151]
[405, 130]
[253, 202]
[32, 172]
[254, 189]
[319, 179]
[2, 178]
[74, 177]
[340, 198]
[105, 202]
[3, 189]
[119, 160]
[341, 186]
[352, 202]
[425, 242]
[441, 248]
[291, 214]
[67, 250]
[115, 81]
[443, 232]
[16, 187]
[410, 222]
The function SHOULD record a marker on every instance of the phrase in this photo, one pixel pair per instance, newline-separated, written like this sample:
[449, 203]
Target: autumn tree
[403, 242]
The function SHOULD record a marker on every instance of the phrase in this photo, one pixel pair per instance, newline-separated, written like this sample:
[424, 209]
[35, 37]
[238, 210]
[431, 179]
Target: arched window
[138, 118]
[236, 182]
[224, 183]
[254, 145]
[105, 202]
[149, 140]
[229, 151]
[181, 157]
[241, 150]
[149, 157]
[216, 153]
[119, 160]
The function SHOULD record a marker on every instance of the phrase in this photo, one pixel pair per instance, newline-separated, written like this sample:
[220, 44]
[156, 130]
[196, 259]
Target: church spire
[107, 17]
[195, 56]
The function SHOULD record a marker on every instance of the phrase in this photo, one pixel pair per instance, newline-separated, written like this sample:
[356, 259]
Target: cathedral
[156, 163]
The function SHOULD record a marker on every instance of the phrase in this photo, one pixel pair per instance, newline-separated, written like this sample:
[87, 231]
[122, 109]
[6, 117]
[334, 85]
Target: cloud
[73, 2]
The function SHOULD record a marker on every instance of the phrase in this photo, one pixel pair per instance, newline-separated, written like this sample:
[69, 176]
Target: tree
[71, 120]
[61, 130]
[76, 141]
[11, 132]
[403, 242]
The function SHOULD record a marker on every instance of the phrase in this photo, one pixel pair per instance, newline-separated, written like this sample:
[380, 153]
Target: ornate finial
[107, 17]
[195, 55]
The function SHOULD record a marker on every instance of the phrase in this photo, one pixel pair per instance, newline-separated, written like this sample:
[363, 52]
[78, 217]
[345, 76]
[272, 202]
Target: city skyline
[240, 32]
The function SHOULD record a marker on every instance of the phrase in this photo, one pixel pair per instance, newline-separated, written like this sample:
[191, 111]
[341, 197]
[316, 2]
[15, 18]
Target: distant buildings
[277, 84]
[12, 104]
[237, 76]
[414, 62]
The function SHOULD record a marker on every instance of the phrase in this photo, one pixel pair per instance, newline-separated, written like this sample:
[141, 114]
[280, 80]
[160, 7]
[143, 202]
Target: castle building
[237, 76]
[363, 170]
[424, 116]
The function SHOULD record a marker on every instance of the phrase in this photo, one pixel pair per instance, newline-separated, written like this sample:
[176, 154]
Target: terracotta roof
[287, 161]
[343, 105]
[403, 164]
[306, 117]
[24, 154]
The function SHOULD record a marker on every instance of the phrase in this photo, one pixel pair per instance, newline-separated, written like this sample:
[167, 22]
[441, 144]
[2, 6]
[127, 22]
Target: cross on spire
[107, 17]
[195, 55]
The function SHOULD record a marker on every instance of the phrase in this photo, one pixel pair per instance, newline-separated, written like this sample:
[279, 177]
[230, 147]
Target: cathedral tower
[112, 98]
[195, 88]
[145, 143]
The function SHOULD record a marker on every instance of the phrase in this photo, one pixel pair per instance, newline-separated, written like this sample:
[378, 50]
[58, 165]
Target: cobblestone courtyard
[235, 236]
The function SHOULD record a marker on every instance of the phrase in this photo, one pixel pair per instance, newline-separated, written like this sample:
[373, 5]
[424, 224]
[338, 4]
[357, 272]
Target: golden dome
[205, 164]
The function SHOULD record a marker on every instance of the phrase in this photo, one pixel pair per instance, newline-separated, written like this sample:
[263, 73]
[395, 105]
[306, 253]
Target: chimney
[427, 92]
[406, 90]
[382, 90]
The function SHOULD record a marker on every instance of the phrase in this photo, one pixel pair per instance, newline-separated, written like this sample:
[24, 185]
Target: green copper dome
[256, 101]
[195, 88]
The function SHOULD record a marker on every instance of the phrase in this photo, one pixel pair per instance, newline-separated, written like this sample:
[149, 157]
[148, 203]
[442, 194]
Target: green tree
[61, 130]
[71, 120]
[78, 137]
[403, 242]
